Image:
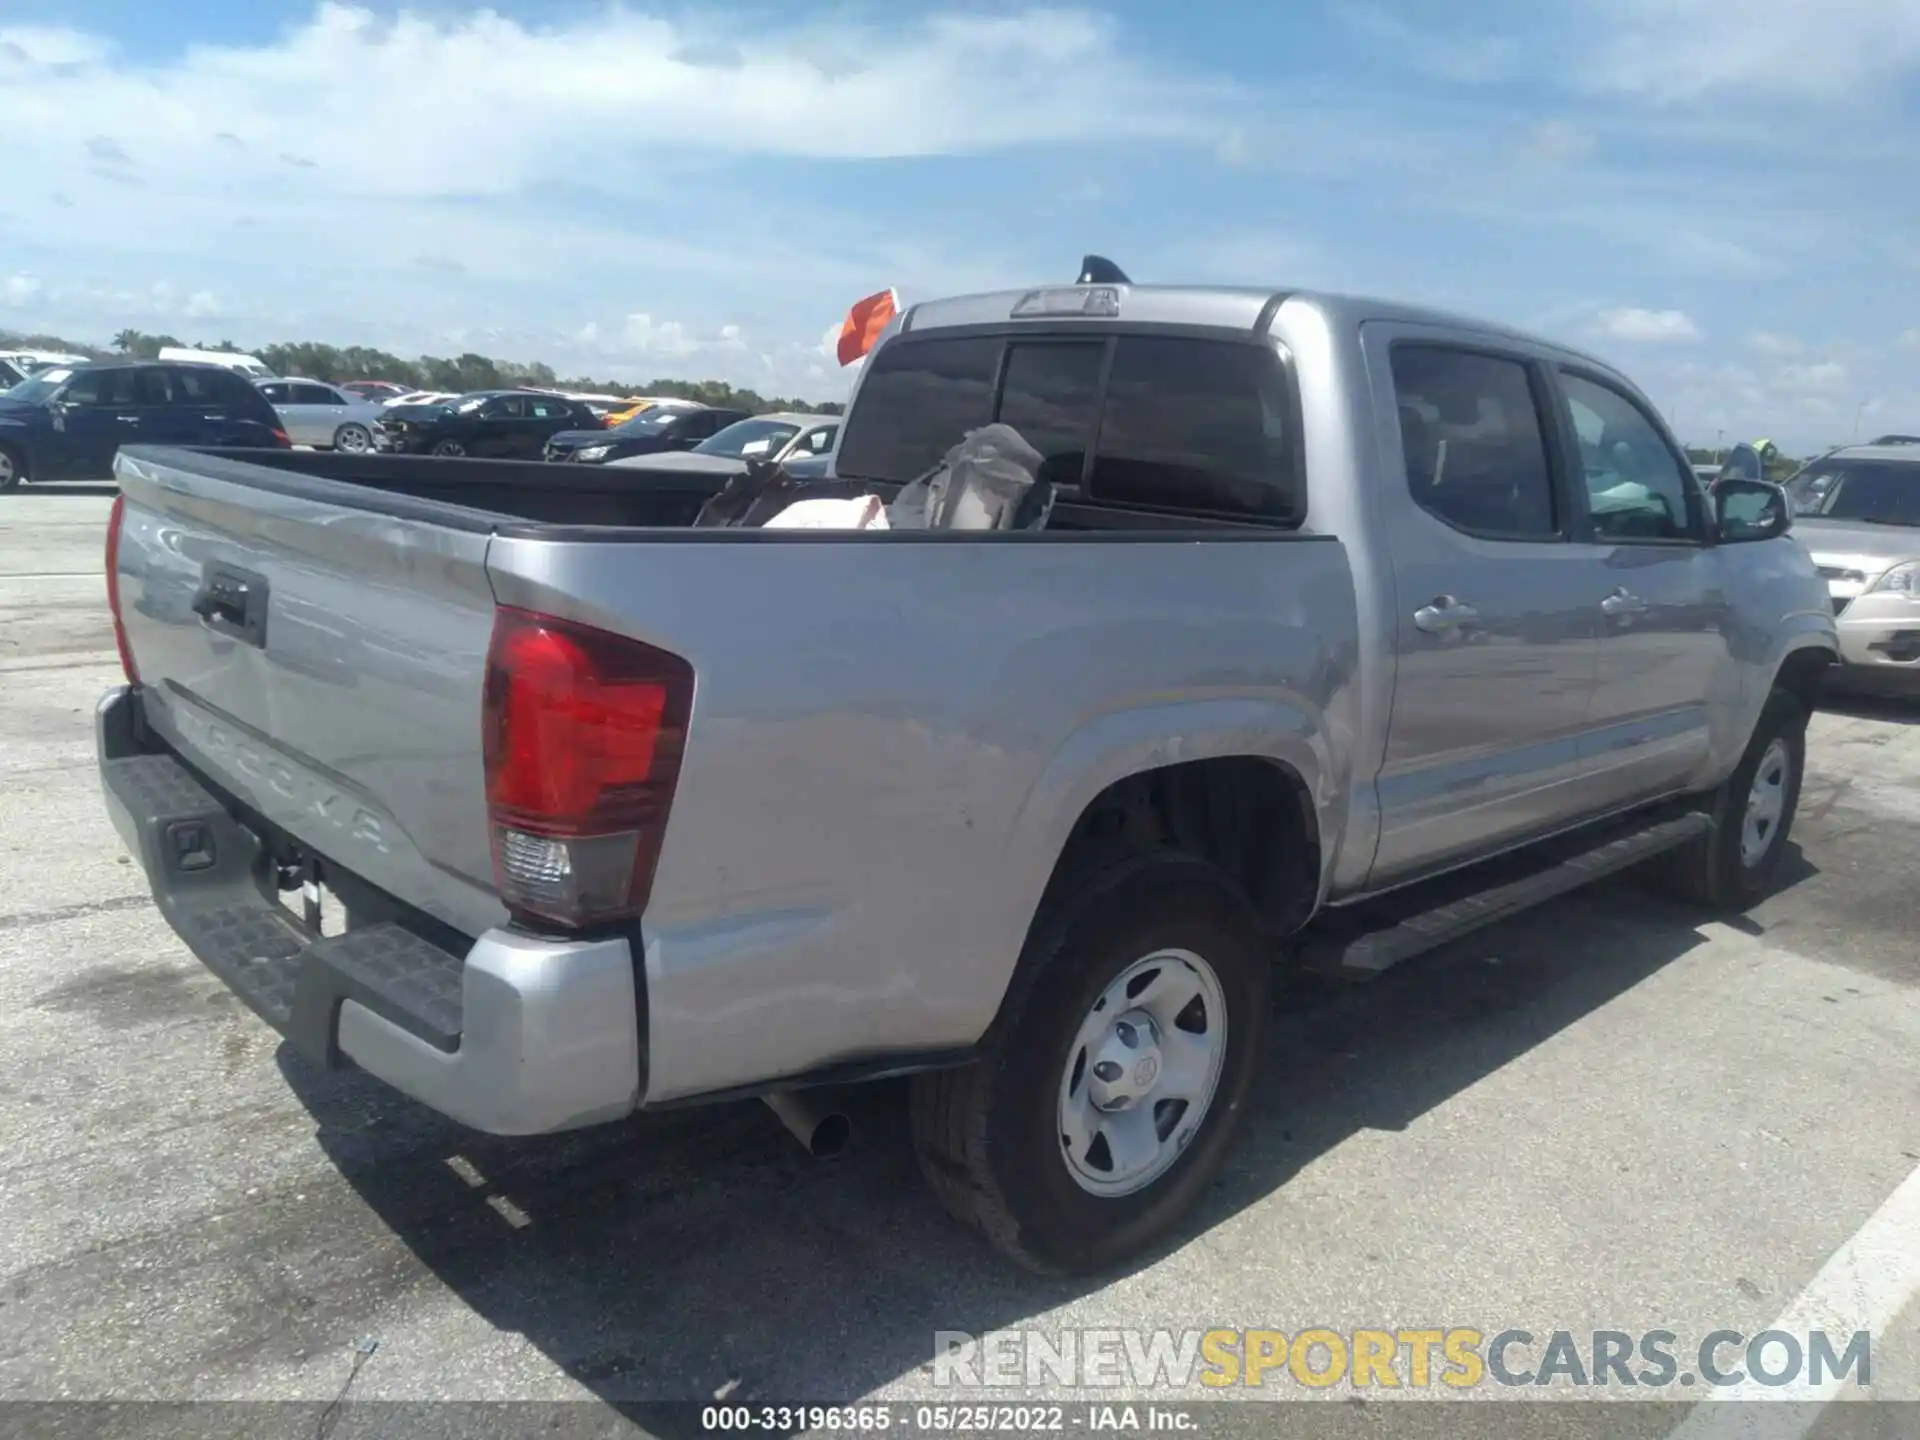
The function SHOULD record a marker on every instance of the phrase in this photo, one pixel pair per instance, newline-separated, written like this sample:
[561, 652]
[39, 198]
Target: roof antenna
[1098, 270]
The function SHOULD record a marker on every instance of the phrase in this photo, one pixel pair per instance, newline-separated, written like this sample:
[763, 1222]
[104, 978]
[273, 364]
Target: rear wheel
[1108, 1103]
[1733, 866]
[448, 447]
[13, 468]
[354, 438]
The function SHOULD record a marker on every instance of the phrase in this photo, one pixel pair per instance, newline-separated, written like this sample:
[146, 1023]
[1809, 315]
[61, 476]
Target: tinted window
[203, 386]
[208, 387]
[1474, 447]
[100, 387]
[1878, 492]
[1051, 395]
[1636, 487]
[504, 407]
[817, 442]
[309, 394]
[1196, 425]
[554, 410]
[278, 393]
[918, 399]
[149, 386]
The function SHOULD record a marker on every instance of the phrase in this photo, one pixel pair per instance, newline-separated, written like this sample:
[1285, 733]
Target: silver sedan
[323, 416]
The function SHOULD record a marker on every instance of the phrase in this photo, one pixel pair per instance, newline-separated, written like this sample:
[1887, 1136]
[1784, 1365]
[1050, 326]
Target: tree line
[313, 360]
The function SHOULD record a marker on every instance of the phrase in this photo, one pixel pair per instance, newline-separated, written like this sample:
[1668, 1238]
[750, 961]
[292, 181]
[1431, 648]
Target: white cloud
[1754, 52]
[1908, 340]
[299, 113]
[19, 290]
[1647, 327]
[664, 337]
[203, 305]
[1768, 342]
[26, 48]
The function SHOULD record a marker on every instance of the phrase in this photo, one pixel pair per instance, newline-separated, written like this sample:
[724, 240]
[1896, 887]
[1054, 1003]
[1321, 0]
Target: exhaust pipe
[822, 1128]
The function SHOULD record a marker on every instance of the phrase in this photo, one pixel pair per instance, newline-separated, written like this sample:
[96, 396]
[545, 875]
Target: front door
[1496, 630]
[97, 413]
[1664, 657]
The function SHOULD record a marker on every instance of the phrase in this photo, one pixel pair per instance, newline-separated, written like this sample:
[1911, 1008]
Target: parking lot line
[1868, 1281]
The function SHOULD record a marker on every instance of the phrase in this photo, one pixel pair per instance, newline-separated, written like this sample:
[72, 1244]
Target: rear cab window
[1131, 420]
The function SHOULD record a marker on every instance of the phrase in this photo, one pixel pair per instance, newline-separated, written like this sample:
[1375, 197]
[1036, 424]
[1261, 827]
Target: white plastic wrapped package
[862, 512]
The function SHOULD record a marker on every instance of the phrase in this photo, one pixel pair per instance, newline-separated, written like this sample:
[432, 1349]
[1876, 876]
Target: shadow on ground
[672, 1257]
[1890, 702]
[55, 489]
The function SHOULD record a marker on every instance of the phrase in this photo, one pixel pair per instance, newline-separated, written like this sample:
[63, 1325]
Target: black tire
[353, 438]
[1712, 871]
[13, 468]
[988, 1135]
[448, 447]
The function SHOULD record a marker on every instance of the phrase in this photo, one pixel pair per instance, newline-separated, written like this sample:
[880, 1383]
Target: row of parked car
[537, 424]
[67, 421]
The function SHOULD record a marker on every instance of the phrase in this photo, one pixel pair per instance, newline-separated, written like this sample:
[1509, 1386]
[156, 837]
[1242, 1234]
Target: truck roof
[1228, 307]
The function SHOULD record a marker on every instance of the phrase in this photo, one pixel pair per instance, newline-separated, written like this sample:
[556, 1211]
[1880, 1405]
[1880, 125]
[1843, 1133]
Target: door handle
[1622, 603]
[128, 419]
[1443, 615]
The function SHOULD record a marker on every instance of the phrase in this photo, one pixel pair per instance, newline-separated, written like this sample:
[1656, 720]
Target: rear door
[169, 414]
[496, 428]
[1665, 653]
[545, 419]
[1497, 623]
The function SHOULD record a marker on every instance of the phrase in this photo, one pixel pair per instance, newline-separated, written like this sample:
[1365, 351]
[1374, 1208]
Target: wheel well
[1251, 816]
[1803, 673]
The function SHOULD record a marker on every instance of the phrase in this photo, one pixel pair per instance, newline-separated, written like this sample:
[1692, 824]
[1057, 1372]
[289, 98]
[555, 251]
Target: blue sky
[1716, 194]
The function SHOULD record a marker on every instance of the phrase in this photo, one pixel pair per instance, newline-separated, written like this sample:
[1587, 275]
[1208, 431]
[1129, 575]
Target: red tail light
[282, 439]
[114, 518]
[583, 732]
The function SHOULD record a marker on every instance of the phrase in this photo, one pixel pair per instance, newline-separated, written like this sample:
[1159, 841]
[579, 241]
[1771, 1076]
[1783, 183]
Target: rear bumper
[511, 1033]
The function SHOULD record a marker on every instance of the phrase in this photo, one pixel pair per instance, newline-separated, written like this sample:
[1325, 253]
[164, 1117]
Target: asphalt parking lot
[1606, 1115]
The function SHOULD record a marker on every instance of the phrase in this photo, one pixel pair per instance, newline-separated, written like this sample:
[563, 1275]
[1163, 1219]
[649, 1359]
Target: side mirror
[1746, 510]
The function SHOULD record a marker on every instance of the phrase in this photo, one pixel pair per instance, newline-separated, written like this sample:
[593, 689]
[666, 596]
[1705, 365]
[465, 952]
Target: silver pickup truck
[1353, 627]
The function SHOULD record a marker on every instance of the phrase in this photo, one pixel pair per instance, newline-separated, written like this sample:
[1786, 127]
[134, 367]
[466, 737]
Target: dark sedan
[651, 432]
[492, 424]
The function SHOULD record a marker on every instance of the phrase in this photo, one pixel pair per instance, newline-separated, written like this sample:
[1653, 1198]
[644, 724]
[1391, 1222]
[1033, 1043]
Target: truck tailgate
[322, 661]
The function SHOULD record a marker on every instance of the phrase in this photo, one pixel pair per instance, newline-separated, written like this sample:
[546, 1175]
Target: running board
[1378, 935]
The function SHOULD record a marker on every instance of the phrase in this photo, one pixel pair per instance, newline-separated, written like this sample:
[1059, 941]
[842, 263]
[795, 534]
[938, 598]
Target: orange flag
[864, 323]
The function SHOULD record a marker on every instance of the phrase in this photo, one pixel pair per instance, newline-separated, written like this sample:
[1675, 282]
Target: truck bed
[891, 736]
[519, 495]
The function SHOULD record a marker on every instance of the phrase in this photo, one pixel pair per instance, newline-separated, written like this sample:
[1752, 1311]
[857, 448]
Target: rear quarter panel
[892, 737]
